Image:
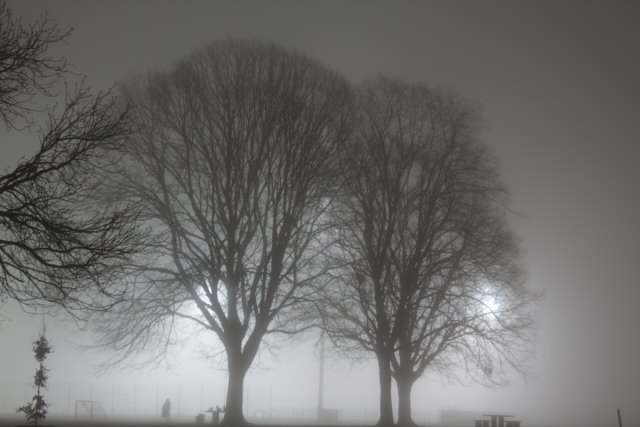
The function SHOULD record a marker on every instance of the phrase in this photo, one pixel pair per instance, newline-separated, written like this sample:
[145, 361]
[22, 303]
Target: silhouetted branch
[232, 162]
[421, 235]
[61, 242]
[26, 69]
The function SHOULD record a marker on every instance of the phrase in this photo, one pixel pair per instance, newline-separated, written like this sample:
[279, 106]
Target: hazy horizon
[558, 89]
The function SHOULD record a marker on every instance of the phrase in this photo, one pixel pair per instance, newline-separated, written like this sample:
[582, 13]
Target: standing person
[166, 410]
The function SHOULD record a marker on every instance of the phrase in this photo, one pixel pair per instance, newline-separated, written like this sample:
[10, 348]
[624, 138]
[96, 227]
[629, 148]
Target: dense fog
[558, 93]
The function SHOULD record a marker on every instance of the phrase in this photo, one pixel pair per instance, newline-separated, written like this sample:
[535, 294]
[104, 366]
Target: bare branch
[232, 162]
[61, 242]
[422, 237]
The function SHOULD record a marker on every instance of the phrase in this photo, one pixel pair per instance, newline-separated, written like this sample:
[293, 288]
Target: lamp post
[321, 377]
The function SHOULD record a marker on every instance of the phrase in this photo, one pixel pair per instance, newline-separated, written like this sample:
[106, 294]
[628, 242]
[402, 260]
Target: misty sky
[558, 85]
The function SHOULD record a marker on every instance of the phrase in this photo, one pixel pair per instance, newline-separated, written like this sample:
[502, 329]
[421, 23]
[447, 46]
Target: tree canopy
[232, 162]
[426, 272]
[61, 243]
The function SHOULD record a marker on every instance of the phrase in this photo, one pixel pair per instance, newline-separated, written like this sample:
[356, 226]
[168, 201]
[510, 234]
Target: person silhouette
[166, 410]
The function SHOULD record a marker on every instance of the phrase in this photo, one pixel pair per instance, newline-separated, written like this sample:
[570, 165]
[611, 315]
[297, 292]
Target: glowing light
[192, 308]
[489, 302]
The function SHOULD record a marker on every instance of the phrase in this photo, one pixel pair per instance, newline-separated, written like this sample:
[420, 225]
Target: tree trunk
[386, 409]
[233, 415]
[405, 382]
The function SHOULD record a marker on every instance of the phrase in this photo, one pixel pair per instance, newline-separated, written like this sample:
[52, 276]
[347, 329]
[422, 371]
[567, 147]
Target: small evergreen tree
[36, 410]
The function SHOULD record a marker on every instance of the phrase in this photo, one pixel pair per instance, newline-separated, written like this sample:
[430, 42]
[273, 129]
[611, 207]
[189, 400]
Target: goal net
[89, 409]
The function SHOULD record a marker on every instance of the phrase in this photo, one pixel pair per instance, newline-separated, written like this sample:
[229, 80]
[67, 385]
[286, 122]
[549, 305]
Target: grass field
[20, 422]
[66, 422]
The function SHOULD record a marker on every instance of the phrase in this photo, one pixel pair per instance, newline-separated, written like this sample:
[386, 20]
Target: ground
[19, 422]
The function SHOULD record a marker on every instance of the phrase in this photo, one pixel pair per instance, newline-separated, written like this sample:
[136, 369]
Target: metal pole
[619, 419]
[321, 377]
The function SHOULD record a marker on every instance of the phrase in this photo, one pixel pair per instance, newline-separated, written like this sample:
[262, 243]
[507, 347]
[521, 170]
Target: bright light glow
[222, 298]
[489, 302]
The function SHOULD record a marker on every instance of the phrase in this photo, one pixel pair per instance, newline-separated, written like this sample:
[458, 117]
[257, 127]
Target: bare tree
[233, 163]
[61, 243]
[26, 67]
[427, 273]
[357, 311]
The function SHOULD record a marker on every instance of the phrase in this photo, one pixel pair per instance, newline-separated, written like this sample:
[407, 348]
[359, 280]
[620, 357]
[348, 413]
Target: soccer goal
[89, 409]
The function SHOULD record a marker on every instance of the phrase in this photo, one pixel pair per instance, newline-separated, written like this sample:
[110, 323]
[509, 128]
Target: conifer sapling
[36, 410]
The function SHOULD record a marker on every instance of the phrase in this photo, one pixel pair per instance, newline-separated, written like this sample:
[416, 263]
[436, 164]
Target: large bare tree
[234, 165]
[61, 243]
[427, 274]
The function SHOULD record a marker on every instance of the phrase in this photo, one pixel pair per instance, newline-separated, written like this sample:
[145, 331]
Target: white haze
[286, 384]
[558, 86]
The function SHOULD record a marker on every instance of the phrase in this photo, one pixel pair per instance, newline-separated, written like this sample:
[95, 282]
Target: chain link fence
[116, 400]
[144, 402]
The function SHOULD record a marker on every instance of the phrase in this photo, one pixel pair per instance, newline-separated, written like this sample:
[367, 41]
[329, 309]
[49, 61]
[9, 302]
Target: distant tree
[233, 163]
[427, 274]
[36, 410]
[61, 242]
